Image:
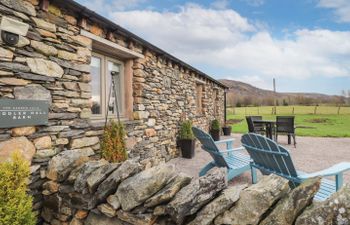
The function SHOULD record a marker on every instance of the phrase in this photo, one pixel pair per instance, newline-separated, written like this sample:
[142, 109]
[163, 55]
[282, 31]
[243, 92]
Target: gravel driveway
[310, 155]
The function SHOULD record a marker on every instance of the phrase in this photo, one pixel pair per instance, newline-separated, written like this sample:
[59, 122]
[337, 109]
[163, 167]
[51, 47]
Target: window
[199, 95]
[101, 83]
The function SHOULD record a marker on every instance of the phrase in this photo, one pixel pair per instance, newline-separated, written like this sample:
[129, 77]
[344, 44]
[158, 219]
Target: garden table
[269, 126]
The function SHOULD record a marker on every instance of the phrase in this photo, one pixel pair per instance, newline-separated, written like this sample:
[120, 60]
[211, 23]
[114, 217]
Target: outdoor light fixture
[11, 30]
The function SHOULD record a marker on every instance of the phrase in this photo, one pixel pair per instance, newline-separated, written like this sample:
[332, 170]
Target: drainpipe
[225, 106]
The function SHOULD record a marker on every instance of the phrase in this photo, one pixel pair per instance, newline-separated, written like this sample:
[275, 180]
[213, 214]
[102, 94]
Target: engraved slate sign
[20, 113]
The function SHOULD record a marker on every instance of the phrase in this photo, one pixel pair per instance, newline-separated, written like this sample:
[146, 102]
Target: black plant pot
[187, 148]
[227, 130]
[215, 134]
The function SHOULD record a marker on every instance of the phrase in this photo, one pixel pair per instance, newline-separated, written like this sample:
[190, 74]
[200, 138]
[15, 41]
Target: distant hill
[247, 94]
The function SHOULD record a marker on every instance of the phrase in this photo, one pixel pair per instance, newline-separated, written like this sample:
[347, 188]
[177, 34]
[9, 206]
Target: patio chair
[285, 125]
[269, 157]
[255, 128]
[231, 158]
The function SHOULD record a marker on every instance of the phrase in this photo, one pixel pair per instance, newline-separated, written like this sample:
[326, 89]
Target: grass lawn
[331, 125]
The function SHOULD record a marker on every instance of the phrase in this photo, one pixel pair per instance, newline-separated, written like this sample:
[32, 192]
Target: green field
[326, 123]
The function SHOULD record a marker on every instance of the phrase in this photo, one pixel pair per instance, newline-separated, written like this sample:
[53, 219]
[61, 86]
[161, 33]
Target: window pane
[114, 67]
[95, 70]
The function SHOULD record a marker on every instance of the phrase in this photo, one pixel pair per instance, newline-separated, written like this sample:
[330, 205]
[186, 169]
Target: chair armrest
[229, 143]
[331, 171]
[233, 150]
[224, 141]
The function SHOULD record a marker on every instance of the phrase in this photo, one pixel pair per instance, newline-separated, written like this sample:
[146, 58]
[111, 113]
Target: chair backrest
[209, 146]
[250, 124]
[285, 124]
[269, 157]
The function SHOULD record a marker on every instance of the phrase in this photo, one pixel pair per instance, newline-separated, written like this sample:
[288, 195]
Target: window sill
[100, 122]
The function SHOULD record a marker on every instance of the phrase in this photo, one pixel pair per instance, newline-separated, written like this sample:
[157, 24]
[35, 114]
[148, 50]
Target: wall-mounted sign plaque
[19, 113]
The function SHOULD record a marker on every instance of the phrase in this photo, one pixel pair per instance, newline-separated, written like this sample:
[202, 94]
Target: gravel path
[310, 155]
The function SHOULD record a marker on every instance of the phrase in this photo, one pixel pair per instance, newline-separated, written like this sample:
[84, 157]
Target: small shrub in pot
[186, 139]
[215, 130]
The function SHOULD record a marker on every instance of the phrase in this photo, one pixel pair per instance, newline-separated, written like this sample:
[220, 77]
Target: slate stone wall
[96, 192]
[52, 63]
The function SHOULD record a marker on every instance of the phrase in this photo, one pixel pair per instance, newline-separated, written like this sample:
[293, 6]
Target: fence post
[293, 111]
[315, 110]
[338, 110]
[258, 111]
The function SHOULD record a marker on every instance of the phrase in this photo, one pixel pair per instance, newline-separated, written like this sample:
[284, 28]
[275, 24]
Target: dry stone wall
[52, 63]
[97, 192]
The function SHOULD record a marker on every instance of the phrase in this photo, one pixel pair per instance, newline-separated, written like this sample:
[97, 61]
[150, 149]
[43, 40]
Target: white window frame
[105, 58]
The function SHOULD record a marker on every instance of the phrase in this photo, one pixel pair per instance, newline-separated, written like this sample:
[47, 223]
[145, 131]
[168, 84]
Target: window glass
[96, 85]
[113, 67]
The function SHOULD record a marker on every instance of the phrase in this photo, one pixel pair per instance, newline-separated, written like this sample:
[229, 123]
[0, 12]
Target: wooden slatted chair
[269, 157]
[231, 158]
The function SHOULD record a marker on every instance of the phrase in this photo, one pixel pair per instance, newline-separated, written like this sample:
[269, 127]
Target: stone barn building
[66, 58]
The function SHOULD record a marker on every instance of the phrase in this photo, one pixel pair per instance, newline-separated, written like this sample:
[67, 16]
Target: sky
[304, 44]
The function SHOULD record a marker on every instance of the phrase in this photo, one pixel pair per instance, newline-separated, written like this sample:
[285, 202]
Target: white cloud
[225, 40]
[341, 7]
[220, 4]
[192, 28]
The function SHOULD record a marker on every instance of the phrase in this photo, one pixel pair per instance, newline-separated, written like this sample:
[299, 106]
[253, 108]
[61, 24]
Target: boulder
[42, 142]
[110, 184]
[81, 201]
[45, 67]
[62, 164]
[99, 175]
[255, 201]
[219, 205]
[43, 48]
[5, 54]
[32, 92]
[293, 204]
[334, 210]
[80, 184]
[22, 131]
[113, 201]
[135, 219]
[107, 210]
[84, 142]
[13, 81]
[195, 195]
[14, 67]
[20, 144]
[169, 191]
[131, 194]
[44, 24]
[46, 153]
[20, 6]
[100, 219]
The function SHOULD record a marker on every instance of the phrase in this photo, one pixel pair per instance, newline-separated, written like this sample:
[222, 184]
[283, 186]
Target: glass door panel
[96, 85]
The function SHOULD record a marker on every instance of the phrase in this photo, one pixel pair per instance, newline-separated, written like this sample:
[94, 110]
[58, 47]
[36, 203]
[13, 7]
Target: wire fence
[290, 110]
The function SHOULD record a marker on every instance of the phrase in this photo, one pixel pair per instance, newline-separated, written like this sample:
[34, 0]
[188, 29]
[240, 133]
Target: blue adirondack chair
[235, 162]
[269, 157]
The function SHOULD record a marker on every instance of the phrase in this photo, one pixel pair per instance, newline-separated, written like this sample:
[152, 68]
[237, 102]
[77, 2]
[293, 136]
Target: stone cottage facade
[66, 58]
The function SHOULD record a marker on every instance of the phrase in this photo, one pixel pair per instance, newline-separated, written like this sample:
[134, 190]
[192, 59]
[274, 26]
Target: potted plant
[186, 139]
[215, 130]
[226, 129]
